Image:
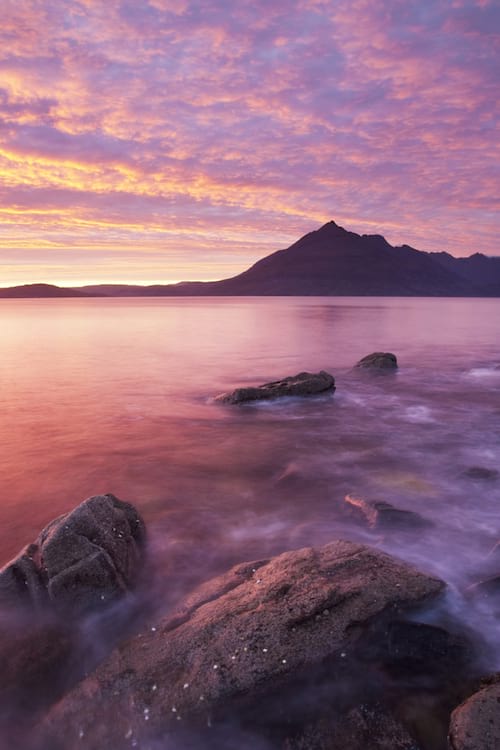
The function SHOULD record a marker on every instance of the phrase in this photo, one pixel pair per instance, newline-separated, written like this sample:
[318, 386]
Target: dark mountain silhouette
[41, 290]
[478, 268]
[329, 261]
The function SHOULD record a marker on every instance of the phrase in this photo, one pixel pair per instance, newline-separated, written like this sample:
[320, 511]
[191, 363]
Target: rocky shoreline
[336, 647]
[340, 646]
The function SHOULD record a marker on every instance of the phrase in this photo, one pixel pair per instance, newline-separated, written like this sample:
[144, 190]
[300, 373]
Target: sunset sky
[158, 140]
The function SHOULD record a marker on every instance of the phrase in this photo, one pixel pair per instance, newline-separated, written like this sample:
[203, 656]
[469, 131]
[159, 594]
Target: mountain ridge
[328, 261]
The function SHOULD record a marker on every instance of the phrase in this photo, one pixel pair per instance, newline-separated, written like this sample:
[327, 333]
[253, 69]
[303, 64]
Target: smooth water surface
[116, 395]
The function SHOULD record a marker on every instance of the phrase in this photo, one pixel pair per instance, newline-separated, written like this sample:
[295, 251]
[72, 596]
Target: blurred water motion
[114, 395]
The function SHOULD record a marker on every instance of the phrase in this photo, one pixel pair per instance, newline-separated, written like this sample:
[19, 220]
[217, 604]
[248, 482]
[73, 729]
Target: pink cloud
[254, 120]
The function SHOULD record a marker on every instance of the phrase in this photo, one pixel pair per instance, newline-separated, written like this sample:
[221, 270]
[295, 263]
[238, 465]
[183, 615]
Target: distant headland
[330, 261]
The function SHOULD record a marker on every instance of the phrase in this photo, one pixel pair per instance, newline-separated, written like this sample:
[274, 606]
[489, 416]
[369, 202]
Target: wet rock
[34, 658]
[378, 361]
[80, 561]
[381, 516]
[481, 472]
[409, 649]
[255, 628]
[303, 384]
[475, 724]
[364, 727]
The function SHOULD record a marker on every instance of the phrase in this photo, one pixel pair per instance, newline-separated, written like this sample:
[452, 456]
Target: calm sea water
[115, 395]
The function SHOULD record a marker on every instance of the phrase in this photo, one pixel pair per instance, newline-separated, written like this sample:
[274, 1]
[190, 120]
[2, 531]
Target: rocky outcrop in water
[381, 516]
[255, 631]
[303, 384]
[80, 561]
[378, 361]
[475, 724]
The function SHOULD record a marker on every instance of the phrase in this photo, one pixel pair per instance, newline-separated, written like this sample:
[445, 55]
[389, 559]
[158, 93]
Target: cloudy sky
[160, 140]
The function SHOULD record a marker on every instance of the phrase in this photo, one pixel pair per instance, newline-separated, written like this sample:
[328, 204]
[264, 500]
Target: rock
[481, 472]
[362, 728]
[34, 658]
[247, 632]
[409, 649]
[381, 516]
[378, 361]
[80, 561]
[475, 724]
[303, 384]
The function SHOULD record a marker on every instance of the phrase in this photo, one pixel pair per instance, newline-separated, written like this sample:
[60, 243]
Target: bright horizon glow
[168, 140]
[92, 282]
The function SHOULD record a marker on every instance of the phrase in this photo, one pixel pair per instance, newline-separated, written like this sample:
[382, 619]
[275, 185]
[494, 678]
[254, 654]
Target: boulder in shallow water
[80, 561]
[250, 631]
[378, 361]
[475, 724]
[381, 516]
[303, 384]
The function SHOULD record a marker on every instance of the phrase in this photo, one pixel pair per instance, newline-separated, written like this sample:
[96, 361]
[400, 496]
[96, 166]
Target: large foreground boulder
[303, 384]
[80, 561]
[378, 361]
[251, 631]
[475, 724]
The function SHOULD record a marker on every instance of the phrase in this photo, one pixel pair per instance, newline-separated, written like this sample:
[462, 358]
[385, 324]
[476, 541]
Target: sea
[117, 395]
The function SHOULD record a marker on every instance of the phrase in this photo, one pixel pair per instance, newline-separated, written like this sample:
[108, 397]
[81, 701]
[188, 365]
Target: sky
[151, 141]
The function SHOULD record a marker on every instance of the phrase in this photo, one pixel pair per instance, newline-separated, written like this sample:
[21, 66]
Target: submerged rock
[81, 560]
[303, 384]
[487, 590]
[247, 632]
[481, 472]
[379, 361]
[475, 724]
[382, 516]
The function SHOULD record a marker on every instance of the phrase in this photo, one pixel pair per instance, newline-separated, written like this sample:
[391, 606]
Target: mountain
[329, 261]
[478, 268]
[41, 290]
[333, 261]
